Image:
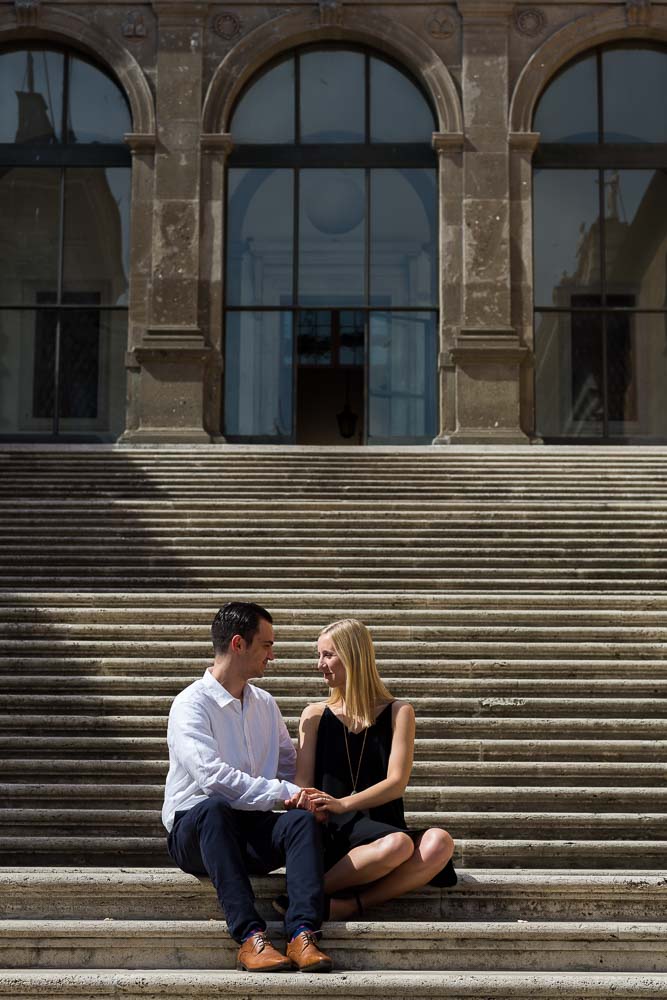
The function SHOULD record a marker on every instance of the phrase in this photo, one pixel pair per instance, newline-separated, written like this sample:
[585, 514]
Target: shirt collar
[216, 691]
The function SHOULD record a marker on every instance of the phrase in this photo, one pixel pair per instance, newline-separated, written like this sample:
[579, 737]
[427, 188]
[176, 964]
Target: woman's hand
[321, 800]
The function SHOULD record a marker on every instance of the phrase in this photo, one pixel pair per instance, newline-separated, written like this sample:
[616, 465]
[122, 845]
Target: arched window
[600, 243]
[64, 243]
[331, 254]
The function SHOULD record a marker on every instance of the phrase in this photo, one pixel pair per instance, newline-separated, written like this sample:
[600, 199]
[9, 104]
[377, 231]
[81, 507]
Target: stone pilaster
[487, 353]
[449, 147]
[522, 147]
[168, 360]
[215, 147]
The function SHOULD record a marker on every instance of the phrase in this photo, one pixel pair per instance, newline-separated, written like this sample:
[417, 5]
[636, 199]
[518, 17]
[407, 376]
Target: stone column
[171, 353]
[522, 147]
[216, 147]
[449, 147]
[487, 353]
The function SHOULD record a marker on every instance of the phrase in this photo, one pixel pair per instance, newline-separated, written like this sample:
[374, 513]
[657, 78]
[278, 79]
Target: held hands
[317, 802]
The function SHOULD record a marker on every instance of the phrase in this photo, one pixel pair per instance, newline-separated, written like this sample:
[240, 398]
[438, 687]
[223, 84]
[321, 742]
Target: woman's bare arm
[309, 723]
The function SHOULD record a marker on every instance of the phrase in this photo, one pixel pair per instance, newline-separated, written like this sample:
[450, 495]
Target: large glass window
[331, 254]
[64, 246]
[600, 243]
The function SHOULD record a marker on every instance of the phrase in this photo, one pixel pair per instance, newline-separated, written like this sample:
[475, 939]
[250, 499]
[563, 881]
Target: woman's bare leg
[432, 851]
[369, 862]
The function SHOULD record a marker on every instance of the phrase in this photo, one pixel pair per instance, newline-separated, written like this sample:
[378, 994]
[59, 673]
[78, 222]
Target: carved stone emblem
[638, 12]
[331, 13]
[27, 12]
[227, 25]
[439, 24]
[530, 21]
[134, 25]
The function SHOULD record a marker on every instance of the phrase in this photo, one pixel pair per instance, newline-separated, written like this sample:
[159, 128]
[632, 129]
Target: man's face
[256, 654]
[330, 663]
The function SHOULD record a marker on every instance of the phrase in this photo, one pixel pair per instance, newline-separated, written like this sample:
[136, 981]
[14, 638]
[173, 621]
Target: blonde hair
[363, 687]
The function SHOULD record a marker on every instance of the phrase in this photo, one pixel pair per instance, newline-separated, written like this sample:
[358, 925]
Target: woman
[354, 761]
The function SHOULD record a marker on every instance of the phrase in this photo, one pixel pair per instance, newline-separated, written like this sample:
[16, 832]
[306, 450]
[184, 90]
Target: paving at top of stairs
[517, 597]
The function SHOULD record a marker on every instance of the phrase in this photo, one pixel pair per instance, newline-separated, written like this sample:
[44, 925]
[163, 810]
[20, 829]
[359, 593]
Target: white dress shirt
[219, 745]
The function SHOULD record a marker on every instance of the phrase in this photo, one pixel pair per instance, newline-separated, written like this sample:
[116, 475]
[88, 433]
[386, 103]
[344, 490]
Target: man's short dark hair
[236, 618]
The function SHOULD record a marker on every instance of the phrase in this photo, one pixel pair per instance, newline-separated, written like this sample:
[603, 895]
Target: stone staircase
[517, 596]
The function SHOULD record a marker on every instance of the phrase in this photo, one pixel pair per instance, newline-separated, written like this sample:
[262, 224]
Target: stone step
[488, 894]
[381, 620]
[310, 685]
[428, 727]
[512, 750]
[570, 670]
[134, 688]
[592, 946]
[301, 637]
[178, 578]
[520, 774]
[496, 708]
[320, 601]
[305, 651]
[178, 985]
[428, 538]
[648, 826]
[29, 847]
[420, 798]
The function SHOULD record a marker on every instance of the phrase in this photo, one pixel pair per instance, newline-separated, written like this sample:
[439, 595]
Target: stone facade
[183, 64]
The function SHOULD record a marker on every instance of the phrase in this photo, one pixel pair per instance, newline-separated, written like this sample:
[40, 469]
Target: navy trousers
[229, 845]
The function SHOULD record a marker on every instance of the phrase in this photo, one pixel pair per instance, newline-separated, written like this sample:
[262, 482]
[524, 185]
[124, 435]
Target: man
[230, 764]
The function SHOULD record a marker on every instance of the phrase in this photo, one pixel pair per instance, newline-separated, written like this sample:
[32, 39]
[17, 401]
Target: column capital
[140, 142]
[220, 143]
[448, 142]
[524, 142]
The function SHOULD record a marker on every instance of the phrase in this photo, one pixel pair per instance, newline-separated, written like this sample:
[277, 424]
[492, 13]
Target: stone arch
[55, 25]
[303, 26]
[583, 33]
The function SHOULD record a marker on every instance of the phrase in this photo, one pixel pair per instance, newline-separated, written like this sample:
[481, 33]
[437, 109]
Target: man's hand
[310, 799]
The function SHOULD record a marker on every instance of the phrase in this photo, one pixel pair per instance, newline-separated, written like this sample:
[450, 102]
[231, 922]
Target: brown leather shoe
[257, 954]
[305, 954]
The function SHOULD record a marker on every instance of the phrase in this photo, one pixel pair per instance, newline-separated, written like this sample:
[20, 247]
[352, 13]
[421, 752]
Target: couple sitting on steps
[240, 801]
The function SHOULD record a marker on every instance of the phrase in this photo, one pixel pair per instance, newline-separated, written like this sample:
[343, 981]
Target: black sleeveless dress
[332, 775]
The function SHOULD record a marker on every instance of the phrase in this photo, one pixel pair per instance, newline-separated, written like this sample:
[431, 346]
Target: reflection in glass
[96, 250]
[314, 337]
[258, 375]
[351, 337]
[636, 235]
[401, 378]
[332, 235]
[97, 110]
[566, 234]
[403, 238]
[637, 374]
[567, 111]
[332, 96]
[265, 112]
[259, 237]
[30, 213]
[568, 375]
[632, 79]
[31, 84]
[92, 371]
[399, 110]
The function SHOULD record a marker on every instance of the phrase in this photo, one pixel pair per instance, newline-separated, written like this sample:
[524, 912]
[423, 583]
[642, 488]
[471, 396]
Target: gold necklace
[354, 779]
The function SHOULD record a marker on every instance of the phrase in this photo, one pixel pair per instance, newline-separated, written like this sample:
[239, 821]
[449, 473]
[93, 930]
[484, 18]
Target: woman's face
[330, 663]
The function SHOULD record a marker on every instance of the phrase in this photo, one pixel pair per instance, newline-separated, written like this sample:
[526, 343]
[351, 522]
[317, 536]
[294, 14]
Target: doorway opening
[330, 383]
